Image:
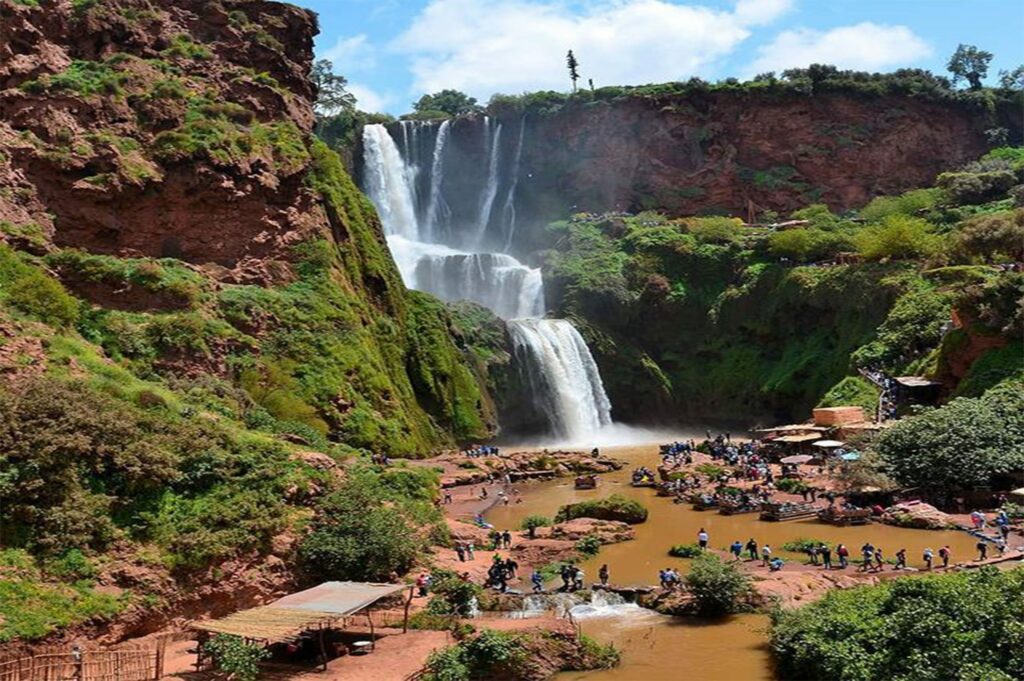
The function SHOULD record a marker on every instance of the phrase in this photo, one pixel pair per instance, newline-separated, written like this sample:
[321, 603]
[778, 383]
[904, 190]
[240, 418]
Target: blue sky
[392, 51]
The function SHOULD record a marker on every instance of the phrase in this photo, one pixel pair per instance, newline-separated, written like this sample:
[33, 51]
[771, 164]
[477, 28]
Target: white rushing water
[551, 354]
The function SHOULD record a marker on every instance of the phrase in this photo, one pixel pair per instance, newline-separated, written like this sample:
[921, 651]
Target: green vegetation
[685, 551]
[964, 443]
[792, 485]
[964, 625]
[86, 78]
[444, 104]
[853, 391]
[532, 522]
[588, 546]
[236, 656]
[452, 596]
[718, 587]
[30, 608]
[802, 545]
[31, 291]
[614, 507]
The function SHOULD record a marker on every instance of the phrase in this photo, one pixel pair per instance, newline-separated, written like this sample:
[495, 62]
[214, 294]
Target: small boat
[780, 512]
[845, 516]
[736, 507]
[702, 502]
[585, 482]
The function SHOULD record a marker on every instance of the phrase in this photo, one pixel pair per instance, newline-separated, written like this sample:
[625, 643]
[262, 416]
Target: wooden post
[405, 620]
[323, 651]
[373, 639]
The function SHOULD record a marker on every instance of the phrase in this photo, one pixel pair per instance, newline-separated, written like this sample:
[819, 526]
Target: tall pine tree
[574, 73]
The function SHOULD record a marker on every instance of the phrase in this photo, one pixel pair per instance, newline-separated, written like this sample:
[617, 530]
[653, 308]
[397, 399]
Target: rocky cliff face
[722, 152]
[180, 129]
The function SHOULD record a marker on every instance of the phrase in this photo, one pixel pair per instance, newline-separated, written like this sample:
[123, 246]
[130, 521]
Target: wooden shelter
[312, 611]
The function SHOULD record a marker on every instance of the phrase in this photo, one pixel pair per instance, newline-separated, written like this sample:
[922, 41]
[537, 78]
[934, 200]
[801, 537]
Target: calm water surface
[656, 647]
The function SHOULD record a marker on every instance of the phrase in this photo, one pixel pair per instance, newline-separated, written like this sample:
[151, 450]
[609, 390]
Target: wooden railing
[128, 664]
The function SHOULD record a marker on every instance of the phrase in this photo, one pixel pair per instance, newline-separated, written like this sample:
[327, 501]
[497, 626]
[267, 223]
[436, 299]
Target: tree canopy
[451, 102]
[332, 95]
[969, 63]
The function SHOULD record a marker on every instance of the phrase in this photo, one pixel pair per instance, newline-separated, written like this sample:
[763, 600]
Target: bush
[490, 654]
[718, 587]
[532, 522]
[791, 485]
[451, 595]
[853, 391]
[357, 536]
[802, 545]
[897, 237]
[959, 445]
[972, 188]
[237, 657]
[964, 625]
[33, 292]
[806, 244]
[685, 551]
[588, 546]
[615, 507]
[996, 237]
[913, 327]
[909, 203]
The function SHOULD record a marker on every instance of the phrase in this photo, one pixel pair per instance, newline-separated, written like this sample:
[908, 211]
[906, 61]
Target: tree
[1012, 80]
[532, 522]
[573, 65]
[717, 586]
[451, 102]
[331, 95]
[237, 657]
[969, 63]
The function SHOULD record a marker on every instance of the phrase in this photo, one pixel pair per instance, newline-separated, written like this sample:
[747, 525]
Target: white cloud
[487, 46]
[351, 54]
[863, 47]
[368, 99]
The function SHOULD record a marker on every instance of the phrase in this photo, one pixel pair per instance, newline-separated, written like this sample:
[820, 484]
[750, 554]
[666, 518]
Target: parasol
[797, 458]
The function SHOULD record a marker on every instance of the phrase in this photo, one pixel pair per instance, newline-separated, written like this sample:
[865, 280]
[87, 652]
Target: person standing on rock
[506, 538]
[982, 547]
[538, 581]
[944, 555]
[736, 549]
[602, 574]
[752, 549]
[460, 551]
[901, 560]
[928, 559]
[826, 556]
[878, 560]
[702, 539]
[844, 556]
[867, 552]
[766, 555]
[469, 551]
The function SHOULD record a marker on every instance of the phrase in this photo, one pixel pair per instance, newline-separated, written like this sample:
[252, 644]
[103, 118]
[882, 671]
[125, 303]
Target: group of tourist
[477, 451]
[501, 572]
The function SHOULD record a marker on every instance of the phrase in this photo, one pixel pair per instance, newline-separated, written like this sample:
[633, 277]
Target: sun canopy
[807, 437]
[801, 426]
[798, 458]
[286, 618]
[915, 382]
[850, 456]
[829, 444]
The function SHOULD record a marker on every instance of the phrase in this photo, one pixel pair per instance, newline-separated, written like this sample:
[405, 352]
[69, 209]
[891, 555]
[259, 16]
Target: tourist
[867, 552]
[422, 584]
[736, 549]
[495, 538]
[483, 492]
[469, 551]
[511, 567]
[982, 547]
[878, 560]
[663, 578]
[812, 554]
[826, 556]
[844, 556]
[978, 519]
[944, 555]
[752, 549]
[1001, 546]
[775, 565]
[702, 539]
[566, 574]
[577, 579]
[901, 560]
[766, 555]
[602, 574]
[506, 538]
[538, 581]
[460, 551]
[447, 496]
[928, 555]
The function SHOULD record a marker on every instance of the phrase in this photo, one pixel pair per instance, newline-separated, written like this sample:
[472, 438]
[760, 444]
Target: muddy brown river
[656, 647]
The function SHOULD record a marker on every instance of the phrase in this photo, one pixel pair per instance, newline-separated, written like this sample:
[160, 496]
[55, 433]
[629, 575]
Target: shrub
[995, 237]
[357, 536]
[685, 551]
[802, 545]
[588, 546]
[972, 188]
[237, 657]
[913, 327]
[532, 522]
[715, 230]
[806, 245]
[908, 203]
[615, 507]
[959, 445]
[922, 628]
[489, 654]
[30, 290]
[452, 596]
[896, 237]
[853, 391]
[718, 587]
[791, 485]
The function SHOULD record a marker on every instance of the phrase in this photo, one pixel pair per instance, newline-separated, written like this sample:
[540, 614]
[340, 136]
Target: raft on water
[845, 516]
[777, 512]
[585, 482]
[736, 508]
[518, 476]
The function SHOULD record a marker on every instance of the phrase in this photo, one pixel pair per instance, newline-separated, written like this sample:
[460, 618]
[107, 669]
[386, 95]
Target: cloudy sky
[392, 51]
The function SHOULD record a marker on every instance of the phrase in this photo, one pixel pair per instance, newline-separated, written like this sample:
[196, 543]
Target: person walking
[844, 556]
[982, 547]
[460, 551]
[469, 551]
[736, 549]
[878, 560]
[506, 538]
[867, 552]
[766, 555]
[928, 555]
[702, 539]
[901, 560]
[944, 555]
[826, 556]
[602, 574]
[538, 581]
[752, 549]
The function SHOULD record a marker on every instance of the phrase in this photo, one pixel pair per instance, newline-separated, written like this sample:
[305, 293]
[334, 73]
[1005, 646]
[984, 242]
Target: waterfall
[437, 208]
[508, 213]
[562, 375]
[550, 353]
[389, 182]
[491, 141]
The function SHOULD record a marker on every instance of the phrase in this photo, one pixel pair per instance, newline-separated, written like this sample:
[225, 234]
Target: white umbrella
[828, 444]
[797, 458]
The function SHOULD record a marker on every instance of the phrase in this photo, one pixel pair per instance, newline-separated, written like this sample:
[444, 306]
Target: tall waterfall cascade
[439, 241]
